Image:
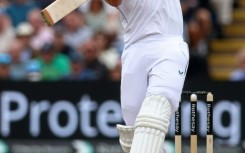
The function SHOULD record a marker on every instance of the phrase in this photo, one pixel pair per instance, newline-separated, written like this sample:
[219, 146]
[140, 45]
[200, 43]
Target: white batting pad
[151, 125]
[126, 134]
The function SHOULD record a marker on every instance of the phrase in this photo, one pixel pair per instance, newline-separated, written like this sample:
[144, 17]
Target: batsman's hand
[114, 3]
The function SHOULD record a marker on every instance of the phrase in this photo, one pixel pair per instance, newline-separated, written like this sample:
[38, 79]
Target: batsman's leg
[151, 125]
[126, 134]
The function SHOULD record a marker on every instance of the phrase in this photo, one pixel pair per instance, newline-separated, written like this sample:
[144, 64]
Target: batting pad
[151, 125]
[126, 134]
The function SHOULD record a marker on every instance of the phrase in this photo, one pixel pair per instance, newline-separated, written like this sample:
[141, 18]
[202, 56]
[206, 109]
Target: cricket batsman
[154, 66]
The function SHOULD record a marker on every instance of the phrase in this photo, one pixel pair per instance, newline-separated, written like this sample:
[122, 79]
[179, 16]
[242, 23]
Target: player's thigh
[133, 87]
[133, 90]
[168, 75]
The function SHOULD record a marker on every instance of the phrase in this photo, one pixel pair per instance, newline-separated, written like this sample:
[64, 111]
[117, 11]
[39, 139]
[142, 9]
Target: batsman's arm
[114, 3]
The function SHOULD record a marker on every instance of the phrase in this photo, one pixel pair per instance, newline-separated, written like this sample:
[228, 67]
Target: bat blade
[59, 9]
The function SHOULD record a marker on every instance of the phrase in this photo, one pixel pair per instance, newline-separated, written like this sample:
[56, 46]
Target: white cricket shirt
[150, 18]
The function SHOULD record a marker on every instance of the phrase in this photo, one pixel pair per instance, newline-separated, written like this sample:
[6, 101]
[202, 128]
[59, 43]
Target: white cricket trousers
[152, 66]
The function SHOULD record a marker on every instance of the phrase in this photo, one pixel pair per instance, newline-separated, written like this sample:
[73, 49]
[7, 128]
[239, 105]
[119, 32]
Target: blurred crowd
[203, 22]
[87, 44]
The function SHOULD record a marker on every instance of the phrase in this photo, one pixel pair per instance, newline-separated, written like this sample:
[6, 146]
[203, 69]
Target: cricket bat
[59, 9]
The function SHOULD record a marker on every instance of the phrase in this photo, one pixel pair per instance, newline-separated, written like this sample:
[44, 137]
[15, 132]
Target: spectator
[18, 11]
[6, 32]
[108, 8]
[224, 9]
[17, 67]
[199, 30]
[114, 31]
[204, 4]
[24, 32]
[91, 55]
[96, 17]
[60, 44]
[43, 4]
[108, 55]
[196, 4]
[33, 71]
[76, 31]
[54, 66]
[5, 61]
[4, 4]
[200, 11]
[42, 34]
[239, 73]
[187, 15]
[204, 19]
[115, 74]
[79, 71]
